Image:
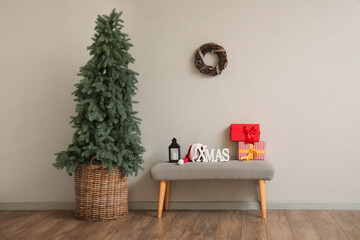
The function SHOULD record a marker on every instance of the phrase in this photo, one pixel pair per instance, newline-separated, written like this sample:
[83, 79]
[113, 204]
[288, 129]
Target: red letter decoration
[248, 133]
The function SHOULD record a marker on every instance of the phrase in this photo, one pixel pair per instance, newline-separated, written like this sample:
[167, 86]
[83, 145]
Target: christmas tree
[106, 124]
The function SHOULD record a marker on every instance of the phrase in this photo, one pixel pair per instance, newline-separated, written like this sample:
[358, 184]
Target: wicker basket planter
[100, 195]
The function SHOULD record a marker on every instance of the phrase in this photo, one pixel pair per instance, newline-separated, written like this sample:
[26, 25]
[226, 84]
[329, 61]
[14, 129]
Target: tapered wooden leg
[262, 197]
[167, 195]
[162, 190]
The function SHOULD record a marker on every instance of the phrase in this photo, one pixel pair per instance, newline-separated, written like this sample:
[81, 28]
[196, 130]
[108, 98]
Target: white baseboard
[240, 205]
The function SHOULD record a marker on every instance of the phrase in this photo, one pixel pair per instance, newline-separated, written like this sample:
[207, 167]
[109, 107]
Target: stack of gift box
[248, 138]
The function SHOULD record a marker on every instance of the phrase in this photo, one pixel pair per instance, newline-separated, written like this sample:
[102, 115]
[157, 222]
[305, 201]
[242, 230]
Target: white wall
[293, 68]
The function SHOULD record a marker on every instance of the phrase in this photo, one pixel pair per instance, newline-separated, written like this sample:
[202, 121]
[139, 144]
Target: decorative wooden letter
[202, 152]
[226, 152]
[218, 156]
[210, 156]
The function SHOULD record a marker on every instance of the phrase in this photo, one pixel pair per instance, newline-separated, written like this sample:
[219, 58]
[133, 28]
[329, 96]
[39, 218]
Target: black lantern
[174, 151]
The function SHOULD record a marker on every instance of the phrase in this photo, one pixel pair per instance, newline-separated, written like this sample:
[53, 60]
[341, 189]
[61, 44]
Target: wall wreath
[212, 48]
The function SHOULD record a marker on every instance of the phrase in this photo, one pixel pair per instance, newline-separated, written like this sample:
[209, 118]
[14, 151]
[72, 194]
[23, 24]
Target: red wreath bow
[250, 134]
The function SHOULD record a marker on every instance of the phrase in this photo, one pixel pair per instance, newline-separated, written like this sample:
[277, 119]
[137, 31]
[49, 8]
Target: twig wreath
[212, 48]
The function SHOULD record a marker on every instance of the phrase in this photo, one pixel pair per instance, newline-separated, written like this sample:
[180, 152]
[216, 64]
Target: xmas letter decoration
[212, 48]
[200, 153]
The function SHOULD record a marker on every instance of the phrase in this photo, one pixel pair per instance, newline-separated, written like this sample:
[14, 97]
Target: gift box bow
[251, 153]
[250, 134]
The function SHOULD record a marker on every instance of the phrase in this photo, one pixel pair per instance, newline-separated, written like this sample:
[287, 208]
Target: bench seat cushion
[233, 169]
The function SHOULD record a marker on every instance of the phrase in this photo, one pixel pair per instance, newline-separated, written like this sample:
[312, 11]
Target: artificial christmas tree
[107, 130]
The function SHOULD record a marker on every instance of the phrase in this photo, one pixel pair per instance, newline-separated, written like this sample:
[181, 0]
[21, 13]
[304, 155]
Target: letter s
[226, 152]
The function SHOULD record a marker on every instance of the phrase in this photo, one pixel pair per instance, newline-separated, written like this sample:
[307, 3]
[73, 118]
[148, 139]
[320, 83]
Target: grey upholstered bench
[234, 169]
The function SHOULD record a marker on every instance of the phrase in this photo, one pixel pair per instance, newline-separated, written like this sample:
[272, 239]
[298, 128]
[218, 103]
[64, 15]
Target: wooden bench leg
[262, 197]
[167, 195]
[162, 190]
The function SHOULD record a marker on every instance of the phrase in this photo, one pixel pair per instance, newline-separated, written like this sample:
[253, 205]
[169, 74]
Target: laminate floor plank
[8, 214]
[139, 221]
[99, 229]
[277, 226]
[327, 226]
[253, 226]
[128, 228]
[157, 228]
[348, 222]
[8, 218]
[13, 230]
[356, 213]
[62, 229]
[301, 225]
[206, 225]
[182, 225]
[111, 228]
[229, 226]
[43, 225]
[128, 235]
[85, 230]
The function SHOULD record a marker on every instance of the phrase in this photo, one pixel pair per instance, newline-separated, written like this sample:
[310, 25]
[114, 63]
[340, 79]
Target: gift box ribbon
[249, 134]
[251, 153]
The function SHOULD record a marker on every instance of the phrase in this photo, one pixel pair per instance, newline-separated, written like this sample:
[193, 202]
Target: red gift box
[248, 133]
[247, 151]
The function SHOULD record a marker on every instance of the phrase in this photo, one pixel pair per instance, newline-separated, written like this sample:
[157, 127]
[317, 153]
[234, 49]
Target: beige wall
[293, 68]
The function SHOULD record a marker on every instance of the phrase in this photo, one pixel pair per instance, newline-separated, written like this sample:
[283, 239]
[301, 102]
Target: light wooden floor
[279, 225]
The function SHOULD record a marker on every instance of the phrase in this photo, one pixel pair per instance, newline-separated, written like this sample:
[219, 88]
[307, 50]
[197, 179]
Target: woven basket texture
[100, 195]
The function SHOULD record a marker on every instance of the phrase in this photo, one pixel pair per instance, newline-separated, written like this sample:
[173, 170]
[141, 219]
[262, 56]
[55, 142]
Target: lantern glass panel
[174, 153]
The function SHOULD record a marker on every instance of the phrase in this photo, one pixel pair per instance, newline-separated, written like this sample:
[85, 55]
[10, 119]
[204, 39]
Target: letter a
[218, 156]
